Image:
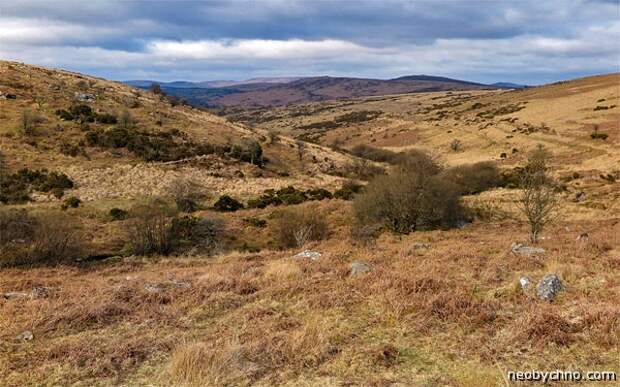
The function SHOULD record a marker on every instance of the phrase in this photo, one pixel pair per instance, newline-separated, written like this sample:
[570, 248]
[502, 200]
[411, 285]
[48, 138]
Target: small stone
[548, 287]
[359, 267]
[580, 196]
[25, 336]
[521, 249]
[583, 237]
[462, 224]
[14, 295]
[525, 282]
[40, 292]
[85, 97]
[312, 255]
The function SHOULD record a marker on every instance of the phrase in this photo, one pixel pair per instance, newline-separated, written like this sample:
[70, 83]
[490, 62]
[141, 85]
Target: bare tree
[539, 202]
[301, 149]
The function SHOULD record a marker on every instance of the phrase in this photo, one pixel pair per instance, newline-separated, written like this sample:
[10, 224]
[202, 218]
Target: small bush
[227, 204]
[118, 214]
[71, 202]
[296, 227]
[375, 154]
[455, 145]
[106, 118]
[29, 121]
[72, 150]
[151, 230]
[15, 188]
[474, 178]
[42, 240]
[288, 196]
[318, 194]
[410, 199]
[348, 190]
[202, 234]
[363, 169]
[255, 222]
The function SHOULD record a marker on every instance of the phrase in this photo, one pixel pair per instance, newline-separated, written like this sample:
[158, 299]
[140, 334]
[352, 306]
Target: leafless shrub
[414, 197]
[303, 234]
[296, 227]
[36, 240]
[150, 231]
[301, 150]
[539, 201]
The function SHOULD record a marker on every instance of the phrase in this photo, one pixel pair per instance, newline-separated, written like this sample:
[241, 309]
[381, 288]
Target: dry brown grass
[269, 319]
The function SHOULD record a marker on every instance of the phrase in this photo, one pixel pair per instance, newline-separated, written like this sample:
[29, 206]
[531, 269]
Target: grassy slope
[104, 175]
[435, 317]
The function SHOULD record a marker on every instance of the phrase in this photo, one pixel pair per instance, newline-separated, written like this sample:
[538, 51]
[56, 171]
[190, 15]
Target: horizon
[524, 42]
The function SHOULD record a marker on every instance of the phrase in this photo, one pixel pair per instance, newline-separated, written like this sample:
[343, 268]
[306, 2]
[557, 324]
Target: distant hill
[261, 92]
[145, 84]
[508, 85]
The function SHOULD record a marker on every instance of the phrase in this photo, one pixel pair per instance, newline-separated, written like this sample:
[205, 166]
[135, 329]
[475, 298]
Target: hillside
[268, 92]
[145, 84]
[110, 172]
[182, 255]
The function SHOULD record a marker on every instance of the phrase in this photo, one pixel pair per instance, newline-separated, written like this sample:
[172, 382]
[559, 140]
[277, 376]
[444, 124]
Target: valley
[149, 242]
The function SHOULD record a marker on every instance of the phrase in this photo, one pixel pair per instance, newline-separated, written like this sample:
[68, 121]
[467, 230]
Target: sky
[522, 41]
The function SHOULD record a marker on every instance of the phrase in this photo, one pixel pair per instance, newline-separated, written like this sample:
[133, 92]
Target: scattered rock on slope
[359, 267]
[312, 255]
[548, 287]
[521, 249]
[25, 336]
[525, 283]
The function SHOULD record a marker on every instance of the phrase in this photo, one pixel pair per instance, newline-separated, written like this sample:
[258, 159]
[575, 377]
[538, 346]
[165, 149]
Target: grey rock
[583, 237]
[548, 287]
[580, 196]
[14, 295]
[25, 336]
[40, 292]
[521, 249]
[525, 283]
[312, 255]
[85, 97]
[359, 267]
[462, 224]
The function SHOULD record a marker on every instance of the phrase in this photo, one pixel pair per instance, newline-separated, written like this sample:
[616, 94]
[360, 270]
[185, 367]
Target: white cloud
[74, 46]
[254, 48]
[47, 32]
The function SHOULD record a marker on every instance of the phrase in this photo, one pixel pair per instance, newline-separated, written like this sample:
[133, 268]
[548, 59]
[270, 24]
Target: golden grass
[270, 319]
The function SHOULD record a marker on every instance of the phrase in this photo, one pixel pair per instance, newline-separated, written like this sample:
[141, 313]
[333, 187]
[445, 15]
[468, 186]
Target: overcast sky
[486, 41]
